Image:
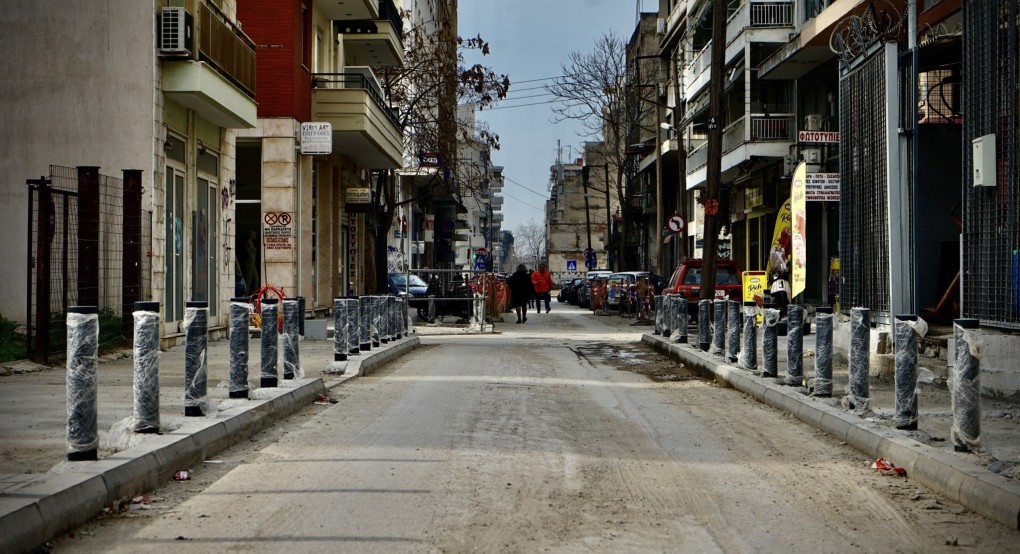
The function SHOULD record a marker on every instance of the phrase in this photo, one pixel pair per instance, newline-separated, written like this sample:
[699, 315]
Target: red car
[686, 281]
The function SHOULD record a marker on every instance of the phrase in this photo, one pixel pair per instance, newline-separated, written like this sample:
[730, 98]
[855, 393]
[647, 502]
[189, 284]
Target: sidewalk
[42, 495]
[987, 483]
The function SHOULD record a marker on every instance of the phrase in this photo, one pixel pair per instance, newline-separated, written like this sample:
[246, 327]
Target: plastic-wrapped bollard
[732, 330]
[794, 346]
[718, 327]
[385, 333]
[374, 320]
[365, 317]
[906, 372]
[196, 343]
[823, 352]
[82, 385]
[704, 324]
[394, 315]
[770, 343]
[666, 325]
[291, 338]
[965, 387]
[269, 375]
[353, 326]
[659, 301]
[679, 320]
[146, 367]
[301, 315]
[749, 353]
[858, 397]
[341, 330]
[239, 310]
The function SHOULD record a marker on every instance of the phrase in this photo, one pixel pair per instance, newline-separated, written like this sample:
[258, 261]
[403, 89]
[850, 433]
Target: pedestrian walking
[521, 292]
[543, 283]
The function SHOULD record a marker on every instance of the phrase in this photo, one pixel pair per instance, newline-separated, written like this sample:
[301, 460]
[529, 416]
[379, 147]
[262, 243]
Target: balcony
[365, 129]
[345, 10]
[754, 136]
[374, 42]
[198, 86]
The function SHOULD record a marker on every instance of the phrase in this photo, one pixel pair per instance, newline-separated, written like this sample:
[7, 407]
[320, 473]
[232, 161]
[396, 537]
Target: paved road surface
[561, 434]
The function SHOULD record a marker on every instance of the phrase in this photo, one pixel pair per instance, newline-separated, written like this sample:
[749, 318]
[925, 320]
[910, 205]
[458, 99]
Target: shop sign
[277, 232]
[819, 137]
[822, 187]
[358, 200]
[316, 138]
[428, 159]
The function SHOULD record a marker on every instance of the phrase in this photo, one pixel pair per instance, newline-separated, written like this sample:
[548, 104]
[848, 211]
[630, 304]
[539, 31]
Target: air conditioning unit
[660, 26]
[813, 122]
[789, 164]
[812, 155]
[175, 32]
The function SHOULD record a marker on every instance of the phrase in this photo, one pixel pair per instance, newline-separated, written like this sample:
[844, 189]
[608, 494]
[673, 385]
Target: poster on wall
[277, 232]
[798, 212]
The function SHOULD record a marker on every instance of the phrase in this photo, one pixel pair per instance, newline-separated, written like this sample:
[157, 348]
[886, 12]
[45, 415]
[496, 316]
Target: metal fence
[991, 214]
[864, 217]
[87, 245]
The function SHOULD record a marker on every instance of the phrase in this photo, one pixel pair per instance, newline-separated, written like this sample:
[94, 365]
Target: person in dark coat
[521, 292]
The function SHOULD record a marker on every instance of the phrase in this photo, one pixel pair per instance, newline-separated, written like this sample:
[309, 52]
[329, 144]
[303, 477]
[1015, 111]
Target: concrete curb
[973, 486]
[370, 364]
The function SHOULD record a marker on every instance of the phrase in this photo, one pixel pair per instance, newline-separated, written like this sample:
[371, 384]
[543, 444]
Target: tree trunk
[714, 168]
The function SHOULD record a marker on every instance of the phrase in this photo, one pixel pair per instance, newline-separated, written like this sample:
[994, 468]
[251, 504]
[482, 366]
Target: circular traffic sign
[481, 251]
[676, 223]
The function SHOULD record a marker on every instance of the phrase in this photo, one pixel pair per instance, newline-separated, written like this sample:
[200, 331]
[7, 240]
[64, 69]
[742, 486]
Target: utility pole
[713, 170]
[587, 213]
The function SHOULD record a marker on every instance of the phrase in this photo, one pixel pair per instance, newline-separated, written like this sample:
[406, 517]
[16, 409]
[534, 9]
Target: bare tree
[424, 94]
[529, 243]
[599, 90]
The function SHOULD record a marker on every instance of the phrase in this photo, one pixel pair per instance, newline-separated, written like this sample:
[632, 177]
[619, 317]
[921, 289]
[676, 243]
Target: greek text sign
[316, 138]
[822, 187]
[819, 137]
[277, 232]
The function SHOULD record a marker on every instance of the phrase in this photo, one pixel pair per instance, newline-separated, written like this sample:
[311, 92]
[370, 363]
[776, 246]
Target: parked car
[586, 287]
[686, 281]
[564, 289]
[621, 283]
[411, 285]
[574, 294]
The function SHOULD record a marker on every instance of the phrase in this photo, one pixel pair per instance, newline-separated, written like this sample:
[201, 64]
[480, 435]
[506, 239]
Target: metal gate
[991, 214]
[863, 205]
[87, 245]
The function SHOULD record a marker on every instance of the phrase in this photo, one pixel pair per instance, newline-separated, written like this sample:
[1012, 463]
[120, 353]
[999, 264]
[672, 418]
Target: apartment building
[90, 90]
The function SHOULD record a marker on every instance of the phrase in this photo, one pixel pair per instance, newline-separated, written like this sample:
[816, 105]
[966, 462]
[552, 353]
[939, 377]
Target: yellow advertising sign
[798, 211]
[755, 285]
[779, 254]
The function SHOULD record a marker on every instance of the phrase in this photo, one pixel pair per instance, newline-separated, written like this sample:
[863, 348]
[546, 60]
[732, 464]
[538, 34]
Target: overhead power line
[521, 201]
[523, 105]
[533, 191]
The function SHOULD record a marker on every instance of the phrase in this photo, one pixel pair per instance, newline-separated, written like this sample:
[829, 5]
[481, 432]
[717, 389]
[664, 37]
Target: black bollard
[794, 345]
[719, 327]
[146, 365]
[659, 326]
[732, 331]
[196, 342]
[770, 343]
[365, 317]
[301, 315]
[749, 353]
[906, 372]
[270, 342]
[291, 337]
[823, 352]
[375, 312]
[680, 319]
[239, 310]
[353, 327]
[665, 322]
[965, 386]
[385, 333]
[704, 324]
[858, 397]
[82, 385]
[341, 330]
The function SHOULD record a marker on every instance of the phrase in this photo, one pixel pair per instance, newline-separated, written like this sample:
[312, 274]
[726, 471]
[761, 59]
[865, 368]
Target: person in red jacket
[543, 282]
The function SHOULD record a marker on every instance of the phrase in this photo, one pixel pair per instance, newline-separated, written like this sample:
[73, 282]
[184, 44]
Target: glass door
[174, 228]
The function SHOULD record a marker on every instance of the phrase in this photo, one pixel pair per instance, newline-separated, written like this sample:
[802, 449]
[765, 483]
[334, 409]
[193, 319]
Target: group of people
[527, 286]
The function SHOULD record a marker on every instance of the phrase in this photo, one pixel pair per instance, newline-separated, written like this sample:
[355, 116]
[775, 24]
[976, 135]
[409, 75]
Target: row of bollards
[721, 336]
[361, 324]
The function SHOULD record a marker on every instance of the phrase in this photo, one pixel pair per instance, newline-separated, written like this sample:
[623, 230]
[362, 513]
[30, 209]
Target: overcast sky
[530, 41]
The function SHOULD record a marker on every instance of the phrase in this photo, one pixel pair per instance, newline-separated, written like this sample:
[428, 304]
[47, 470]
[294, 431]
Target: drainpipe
[914, 142]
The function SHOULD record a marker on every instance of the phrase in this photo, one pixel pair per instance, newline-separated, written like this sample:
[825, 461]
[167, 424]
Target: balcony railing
[773, 127]
[697, 158]
[224, 46]
[733, 134]
[775, 13]
[355, 81]
[388, 10]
